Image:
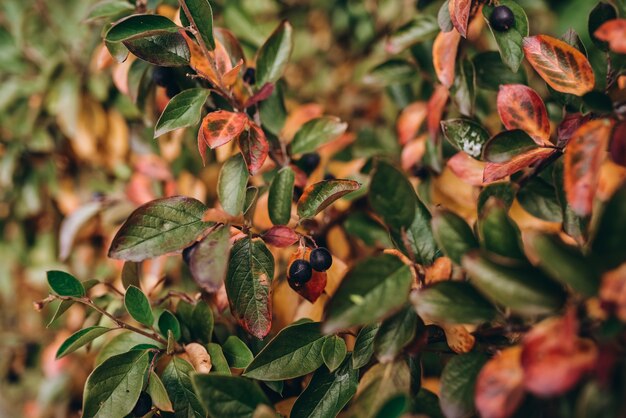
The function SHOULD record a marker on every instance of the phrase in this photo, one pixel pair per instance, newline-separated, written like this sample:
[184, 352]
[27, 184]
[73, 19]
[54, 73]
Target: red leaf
[618, 145]
[613, 32]
[263, 93]
[254, 147]
[444, 56]
[281, 236]
[520, 107]
[568, 126]
[562, 66]
[467, 168]
[459, 14]
[435, 108]
[410, 120]
[554, 358]
[498, 171]
[500, 385]
[219, 128]
[583, 158]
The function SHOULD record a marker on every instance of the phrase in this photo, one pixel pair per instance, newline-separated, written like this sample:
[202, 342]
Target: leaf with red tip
[520, 107]
[459, 14]
[500, 385]
[254, 147]
[435, 109]
[562, 66]
[613, 32]
[583, 157]
[319, 196]
[219, 128]
[281, 236]
[410, 120]
[498, 171]
[444, 56]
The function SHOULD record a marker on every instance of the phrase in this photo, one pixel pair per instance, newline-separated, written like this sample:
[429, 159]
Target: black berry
[320, 259]
[502, 19]
[309, 162]
[297, 193]
[143, 405]
[249, 76]
[162, 76]
[300, 272]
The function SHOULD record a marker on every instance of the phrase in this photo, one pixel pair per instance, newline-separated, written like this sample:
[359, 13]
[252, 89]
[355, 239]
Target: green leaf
[427, 403]
[453, 234]
[177, 380]
[506, 145]
[202, 18]
[208, 259]
[373, 289]
[248, 285]
[159, 227]
[565, 263]
[139, 26]
[395, 333]
[64, 284]
[280, 196]
[510, 41]
[538, 197]
[522, 289]
[237, 352]
[394, 407]
[458, 380]
[464, 87]
[138, 306]
[491, 72]
[359, 224]
[319, 196]
[364, 346]
[419, 236]
[231, 184]
[79, 339]
[610, 232]
[453, 302]
[422, 27]
[229, 396]
[121, 343]
[182, 110]
[131, 273]
[273, 111]
[114, 386]
[392, 196]
[220, 365]
[109, 9]
[498, 233]
[503, 191]
[392, 72]
[202, 322]
[334, 352]
[164, 48]
[295, 351]
[465, 135]
[169, 322]
[317, 132]
[63, 306]
[158, 393]
[272, 57]
[327, 393]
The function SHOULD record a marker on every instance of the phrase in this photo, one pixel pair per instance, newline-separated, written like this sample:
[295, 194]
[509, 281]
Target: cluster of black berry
[301, 270]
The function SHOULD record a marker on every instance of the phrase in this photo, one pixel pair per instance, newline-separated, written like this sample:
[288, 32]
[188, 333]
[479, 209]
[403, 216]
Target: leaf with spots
[219, 128]
[248, 285]
[520, 107]
[583, 157]
[466, 135]
[459, 14]
[562, 66]
[444, 56]
[254, 147]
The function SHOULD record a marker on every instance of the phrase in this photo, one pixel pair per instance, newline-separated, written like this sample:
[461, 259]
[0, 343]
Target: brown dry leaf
[613, 292]
[116, 142]
[500, 385]
[198, 357]
[284, 407]
[439, 271]
[459, 338]
[436, 109]
[444, 56]
[120, 74]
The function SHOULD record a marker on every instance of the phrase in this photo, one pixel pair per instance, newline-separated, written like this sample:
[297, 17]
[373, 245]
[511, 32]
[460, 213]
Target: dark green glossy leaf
[248, 285]
[465, 135]
[273, 111]
[121, 343]
[464, 88]
[177, 380]
[169, 323]
[202, 18]
[394, 334]
[418, 235]
[182, 110]
[457, 384]
[64, 284]
[334, 352]
[164, 48]
[319, 196]
[327, 393]
[138, 306]
[392, 196]
[373, 289]
[295, 351]
[525, 290]
[506, 145]
[610, 233]
[79, 339]
[427, 403]
[316, 133]
[140, 26]
[498, 233]
[503, 191]
[109, 9]
[280, 196]
[364, 346]
[231, 184]
[237, 352]
[229, 396]
[201, 322]
[159, 227]
[114, 386]
[453, 234]
[491, 72]
[538, 197]
[510, 41]
[273, 56]
[208, 259]
[453, 302]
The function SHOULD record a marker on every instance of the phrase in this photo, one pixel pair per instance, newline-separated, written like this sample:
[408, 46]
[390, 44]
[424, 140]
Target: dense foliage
[366, 209]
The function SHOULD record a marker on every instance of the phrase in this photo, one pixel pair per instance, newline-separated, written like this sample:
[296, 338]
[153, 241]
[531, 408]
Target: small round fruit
[143, 405]
[309, 162]
[249, 76]
[300, 271]
[502, 19]
[320, 259]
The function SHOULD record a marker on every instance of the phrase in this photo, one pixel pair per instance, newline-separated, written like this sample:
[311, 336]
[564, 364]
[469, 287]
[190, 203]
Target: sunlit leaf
[182, 110]
[317, 132]
[520, 107]
[507, 145]
[220, 127]
[201, 18]
[466, 135]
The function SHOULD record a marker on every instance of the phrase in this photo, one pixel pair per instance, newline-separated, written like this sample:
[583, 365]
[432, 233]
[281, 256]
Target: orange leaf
[500, 385]
[444, 56]
[459, 14]
[583, 158]
[497, 171]
[613, 32]
[230, 77]
[520, 107]
[254, 147]
[435, 108]
[562, 66]
[410, 120]
[221, 127]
